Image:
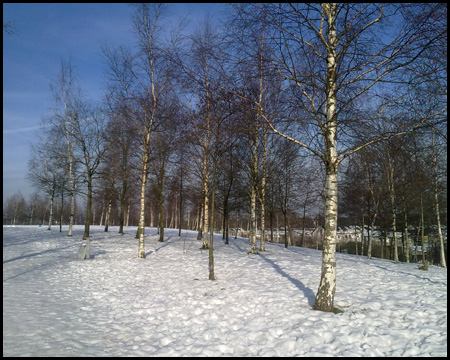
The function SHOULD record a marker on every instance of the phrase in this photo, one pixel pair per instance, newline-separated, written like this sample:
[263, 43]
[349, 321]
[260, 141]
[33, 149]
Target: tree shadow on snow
[423, 277]
[309, 294]
[38, 253]
[164, 244]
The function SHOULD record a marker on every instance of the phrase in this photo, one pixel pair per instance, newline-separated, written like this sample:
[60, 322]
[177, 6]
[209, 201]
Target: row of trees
[253, 114]
[399, 186]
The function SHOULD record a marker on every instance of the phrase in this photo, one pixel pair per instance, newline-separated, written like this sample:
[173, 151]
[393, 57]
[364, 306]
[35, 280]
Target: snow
[116, 304]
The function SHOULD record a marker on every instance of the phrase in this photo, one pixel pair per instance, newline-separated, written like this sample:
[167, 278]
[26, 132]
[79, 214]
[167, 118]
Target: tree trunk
[393, 208]
[50, 218]
[61, 212]
[128, 215]
[181, 205]
[327, 287]
[205, 211]
[278, 231]
[200, 221]
[252, 235]
[271, 225]
[211, 234]
[224, 218]
[285, 230]
[72, 210]
[289, 230]
[406, 236]
[436, 204]
[161, 222]
[87, 223]
[227, 228]
[31, 215]
[262, 246]
[237, 224]
[188, 226]
[122, 207]
[161, 204]
[141, 225]
[101, 215]
[422, 236]
[369, 243]
[107, 216]
[363, 241]
[302, 243]
[383, 244]
[69, 117]
[263, 192]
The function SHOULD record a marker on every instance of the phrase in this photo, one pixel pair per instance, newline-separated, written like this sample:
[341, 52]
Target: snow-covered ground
[116, 304]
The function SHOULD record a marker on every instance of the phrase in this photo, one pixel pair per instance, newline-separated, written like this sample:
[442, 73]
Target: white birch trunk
[253, 192]
[141, 225]
[393, 208]
[205, 204]
[263, 196]
[205, 217]
[151, 217]
[211, 235]
[101, 215]
[278, 231]
[436, 205]
[406, 236]
[107, 216]
[69, 114]
[72, 199]
[327, 287]
[50, 218]
[252, 235]
[422, 235]
[175, 215]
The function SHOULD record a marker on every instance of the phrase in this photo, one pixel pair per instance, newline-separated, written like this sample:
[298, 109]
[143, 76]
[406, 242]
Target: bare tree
[335, 57]
[47, 167]
[15, 208]
[119, 162]
[90, 147]
[67, 108]
[142, 78]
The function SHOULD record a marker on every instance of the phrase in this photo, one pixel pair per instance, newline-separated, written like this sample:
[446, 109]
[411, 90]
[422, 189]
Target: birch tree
[164, 142]
[336, 57]
[198, 83]
[373, 196]
[119, 162]
[142, 77]
[65, 93]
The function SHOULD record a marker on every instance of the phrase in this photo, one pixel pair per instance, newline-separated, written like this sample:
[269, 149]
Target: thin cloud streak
[11, 131]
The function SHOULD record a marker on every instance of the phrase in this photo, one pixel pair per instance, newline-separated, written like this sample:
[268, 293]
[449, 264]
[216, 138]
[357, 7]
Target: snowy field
[116, 304]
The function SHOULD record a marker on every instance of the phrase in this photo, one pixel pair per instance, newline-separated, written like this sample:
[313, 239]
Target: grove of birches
[255, 124]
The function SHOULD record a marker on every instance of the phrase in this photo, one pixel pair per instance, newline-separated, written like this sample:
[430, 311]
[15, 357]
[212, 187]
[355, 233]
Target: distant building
[349, 234]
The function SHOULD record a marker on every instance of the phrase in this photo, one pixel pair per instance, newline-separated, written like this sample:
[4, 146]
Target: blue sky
[31, 59]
